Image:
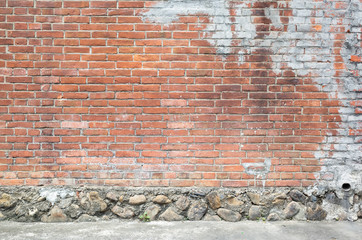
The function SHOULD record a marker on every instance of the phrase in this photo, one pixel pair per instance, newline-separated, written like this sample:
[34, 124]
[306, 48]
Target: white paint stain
[219, 33]
[260, 169]
[305, 52]
[53, 194]
[341, 155]
[273, 14]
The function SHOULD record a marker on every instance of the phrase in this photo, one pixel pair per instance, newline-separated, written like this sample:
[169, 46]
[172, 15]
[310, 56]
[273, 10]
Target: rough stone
[254, 198]
[21, 210]
[55, 215]
[152, 211]
[197, 210]
[171, 215]
[6, 201]
[342, 216]
[161, 199]
[278, 202]
[41, 198]
[33, 212]
[359, 214]
[352, 217]
[301, 216]
[234, 202]
[125, 212]
[267, 199]
[332, 198]
[112, 196]
[93, 203]
[29, 196]
[209, 217]
[182, 203]
[65, 203]
[273, 217]
[74, 211]
[298, 196]
[43, 206]
[229, 215]
[291, 210]
[316, 213]
[264, 211]
[87, 218]
[213, 200]
[336, 212]
[254, 213]
[137, 200]
[2, 216]
[279, 199]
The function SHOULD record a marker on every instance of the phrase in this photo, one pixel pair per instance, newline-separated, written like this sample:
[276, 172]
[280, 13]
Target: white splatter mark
[260, 169]
[52, 194]
[341, 155]
[305, 52]
[218, 34]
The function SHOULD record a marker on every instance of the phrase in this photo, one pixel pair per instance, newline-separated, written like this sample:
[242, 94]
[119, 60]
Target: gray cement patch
[246, 230]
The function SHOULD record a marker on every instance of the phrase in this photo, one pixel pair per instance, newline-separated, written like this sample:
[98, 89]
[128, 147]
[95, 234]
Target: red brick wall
[99, 92]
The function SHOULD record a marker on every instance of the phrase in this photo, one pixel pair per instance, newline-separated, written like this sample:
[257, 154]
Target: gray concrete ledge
[245, 230]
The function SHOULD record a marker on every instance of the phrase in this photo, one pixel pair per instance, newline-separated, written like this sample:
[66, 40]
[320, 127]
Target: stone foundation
[61, 204]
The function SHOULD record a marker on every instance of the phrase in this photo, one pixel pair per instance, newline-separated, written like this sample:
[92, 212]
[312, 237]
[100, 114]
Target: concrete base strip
[246, 230]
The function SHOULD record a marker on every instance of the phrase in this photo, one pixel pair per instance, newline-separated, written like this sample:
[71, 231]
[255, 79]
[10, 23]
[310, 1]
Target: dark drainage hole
[346, 186]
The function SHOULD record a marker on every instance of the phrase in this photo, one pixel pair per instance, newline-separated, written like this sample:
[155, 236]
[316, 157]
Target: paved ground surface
[245, 230]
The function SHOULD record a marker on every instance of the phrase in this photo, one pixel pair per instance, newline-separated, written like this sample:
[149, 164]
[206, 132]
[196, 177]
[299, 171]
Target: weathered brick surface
[180, 93]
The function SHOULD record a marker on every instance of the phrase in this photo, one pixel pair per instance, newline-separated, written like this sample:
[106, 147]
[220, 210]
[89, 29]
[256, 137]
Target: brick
[76, 4]
[49, 50]
[74, 125]
[21, 49]
[121, 90]
[78, 19]
[355, 58]
[171, 73]
[62, 11]
[130, 4]
[16, 3]
[104, 19]
[104, 35]
[103, 4]
[49, 19]
[20, 19]
[129, 19]
[94, 12]
[92, 42]
[48, 4]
